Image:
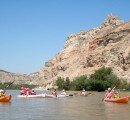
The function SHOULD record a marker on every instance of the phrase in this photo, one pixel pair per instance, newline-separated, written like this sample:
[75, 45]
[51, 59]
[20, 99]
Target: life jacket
[31, 92]
[116, 96]
[63, 93]
[23, 92]
[1, 94]
[108, 95]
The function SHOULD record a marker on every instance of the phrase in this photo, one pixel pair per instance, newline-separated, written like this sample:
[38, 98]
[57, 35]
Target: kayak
[5, 98]
[118, 100]
[32, 96]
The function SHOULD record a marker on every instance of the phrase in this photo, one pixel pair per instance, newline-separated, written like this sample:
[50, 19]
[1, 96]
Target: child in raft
[83, 92]
[27, 91]
[2, 93]
[54, 92]
[63, 92]
[108, 93]
[116, 95]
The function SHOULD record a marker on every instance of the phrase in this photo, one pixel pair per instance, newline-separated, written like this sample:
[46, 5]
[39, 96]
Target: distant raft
[58, 96]
[5, 98]
[32, 96]
[43, 96]
[118, 100]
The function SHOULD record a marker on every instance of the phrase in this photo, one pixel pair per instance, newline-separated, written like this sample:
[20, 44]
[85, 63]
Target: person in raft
[2, 93]
[116, 95]
[23, 91]
[32, 92]
[109, 93]
[83, 92]
[63, 92]
[54, 92]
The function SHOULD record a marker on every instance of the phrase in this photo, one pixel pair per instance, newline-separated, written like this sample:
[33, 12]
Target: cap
[83, 90]
[109, 89]
[2, 91]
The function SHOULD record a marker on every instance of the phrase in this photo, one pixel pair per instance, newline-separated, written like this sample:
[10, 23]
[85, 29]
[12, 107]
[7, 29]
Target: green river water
[70, 108]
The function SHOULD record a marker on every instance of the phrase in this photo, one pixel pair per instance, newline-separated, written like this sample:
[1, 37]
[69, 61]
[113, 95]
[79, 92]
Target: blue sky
[34, 31]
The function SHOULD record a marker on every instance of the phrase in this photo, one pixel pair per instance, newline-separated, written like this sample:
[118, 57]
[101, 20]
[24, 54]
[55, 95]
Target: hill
[107, 45]
[84, 52]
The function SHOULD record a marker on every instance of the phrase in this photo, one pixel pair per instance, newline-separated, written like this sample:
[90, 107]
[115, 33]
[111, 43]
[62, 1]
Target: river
[70, 108]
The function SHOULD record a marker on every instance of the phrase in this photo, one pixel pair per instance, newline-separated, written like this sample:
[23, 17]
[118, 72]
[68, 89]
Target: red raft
[118, 100]
[5, 98]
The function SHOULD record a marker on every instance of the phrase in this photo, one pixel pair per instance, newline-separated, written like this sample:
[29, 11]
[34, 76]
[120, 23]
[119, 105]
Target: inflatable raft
[58, 96]
[42, 96]
[5, 98]
[118, 100]
[32, 96]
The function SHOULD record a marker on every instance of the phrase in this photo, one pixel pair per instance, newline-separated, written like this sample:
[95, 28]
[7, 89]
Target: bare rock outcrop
[84, 52]
[18, 78]
[107, 45]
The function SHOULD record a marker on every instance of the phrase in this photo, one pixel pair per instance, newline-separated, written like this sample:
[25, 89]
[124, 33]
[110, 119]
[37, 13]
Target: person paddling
[32, 92]
[83, 92]
[2, 93]
[63, 92]
[54, 92]
[108, 93]
[116, 95]
[23, 91]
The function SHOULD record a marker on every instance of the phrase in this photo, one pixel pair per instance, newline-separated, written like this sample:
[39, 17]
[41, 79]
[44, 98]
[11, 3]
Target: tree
[103, 78]
[80, 82]
[60, 82]
[66, 84]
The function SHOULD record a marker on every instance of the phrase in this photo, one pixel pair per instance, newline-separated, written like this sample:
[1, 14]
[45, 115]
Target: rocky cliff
[107, 45]
[31, 79]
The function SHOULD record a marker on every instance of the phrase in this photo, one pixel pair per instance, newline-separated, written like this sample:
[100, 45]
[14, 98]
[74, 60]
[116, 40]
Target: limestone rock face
[31, 79]
[84, 52]
[107, 45]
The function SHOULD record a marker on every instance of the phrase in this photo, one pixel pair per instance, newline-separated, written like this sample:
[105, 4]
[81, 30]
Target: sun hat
[2, 91]
[109, 89]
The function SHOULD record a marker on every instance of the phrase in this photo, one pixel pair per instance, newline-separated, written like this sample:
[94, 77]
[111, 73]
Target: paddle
[8, 85]
[70, 94]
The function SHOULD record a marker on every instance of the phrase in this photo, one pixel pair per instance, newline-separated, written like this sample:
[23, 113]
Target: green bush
[125, 85]
[63, 83]
[80, 82]
[60, 82]
[66, 84]
[15, 86]
[100, 80]
[103, 78]
[77, 84]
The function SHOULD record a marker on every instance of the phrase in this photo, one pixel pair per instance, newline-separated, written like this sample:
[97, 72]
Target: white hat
[2, 91]
[63, 90]
[83, 90]
[109, 89]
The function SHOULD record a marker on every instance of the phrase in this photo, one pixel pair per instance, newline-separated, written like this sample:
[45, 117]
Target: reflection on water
[5, 104]
[117, 111]
[70, 108]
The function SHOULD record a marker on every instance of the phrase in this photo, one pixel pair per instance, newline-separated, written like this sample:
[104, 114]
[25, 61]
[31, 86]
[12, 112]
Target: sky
[34, 31]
